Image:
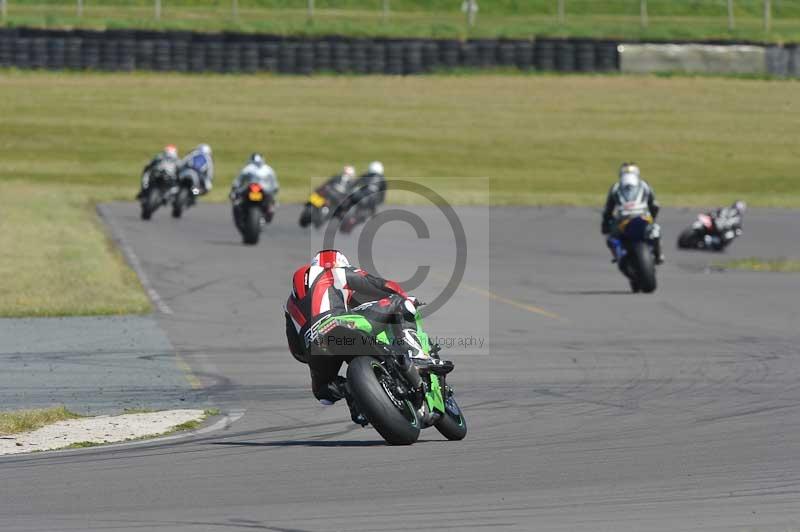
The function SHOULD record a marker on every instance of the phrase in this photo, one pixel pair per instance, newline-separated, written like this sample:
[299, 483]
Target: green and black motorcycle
[378, 380]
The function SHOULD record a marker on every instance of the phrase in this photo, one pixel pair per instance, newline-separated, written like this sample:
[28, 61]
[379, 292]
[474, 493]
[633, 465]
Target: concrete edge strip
[133, 262]
[221, 424]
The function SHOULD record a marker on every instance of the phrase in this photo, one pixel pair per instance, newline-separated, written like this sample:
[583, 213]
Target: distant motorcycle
[320, 207]
[188, 191]
[714, 231]
[253, 207]
[634, 252]
[356, 215]
[360, 206]
[157, 187]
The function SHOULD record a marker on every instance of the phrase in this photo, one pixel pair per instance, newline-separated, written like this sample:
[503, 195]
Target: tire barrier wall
[127, 50]
[248, 53]
[784, 61]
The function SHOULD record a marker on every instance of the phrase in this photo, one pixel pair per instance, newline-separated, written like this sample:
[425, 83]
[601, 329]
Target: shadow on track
[231, 242]
[304, 443]
[592, 292]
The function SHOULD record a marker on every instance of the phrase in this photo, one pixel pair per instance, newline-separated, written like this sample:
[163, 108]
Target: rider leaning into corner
[369, 190]
[329, 285]
[728, 218]
[630, 188]
[199, 160]
[342, 183]
[168, 158]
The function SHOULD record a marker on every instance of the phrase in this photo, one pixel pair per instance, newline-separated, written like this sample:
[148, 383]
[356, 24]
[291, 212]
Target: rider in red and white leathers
[330, 285]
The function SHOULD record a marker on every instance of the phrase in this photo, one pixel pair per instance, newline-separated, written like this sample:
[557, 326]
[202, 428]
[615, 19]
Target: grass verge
[83, 445]
[57, 259]
[763, 265]
[28, 420]
[538, 139]
[69, 140]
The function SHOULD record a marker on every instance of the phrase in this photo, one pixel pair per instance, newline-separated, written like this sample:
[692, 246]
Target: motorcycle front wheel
[150, 203]
[181, 202]
[645, 267]
[372, 388]
[689, 239]
[305, 216]
[452, 424]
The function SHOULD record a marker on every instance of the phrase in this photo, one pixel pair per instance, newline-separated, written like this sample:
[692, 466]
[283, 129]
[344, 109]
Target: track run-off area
[589, 408]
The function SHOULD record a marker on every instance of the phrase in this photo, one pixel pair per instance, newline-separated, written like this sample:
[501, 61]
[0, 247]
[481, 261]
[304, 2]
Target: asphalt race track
[589, 408]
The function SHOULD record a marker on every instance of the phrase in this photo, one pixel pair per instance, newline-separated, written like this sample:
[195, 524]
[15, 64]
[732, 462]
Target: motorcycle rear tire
[399, 425]
[251, 228]
[689, 239]
[645, 267]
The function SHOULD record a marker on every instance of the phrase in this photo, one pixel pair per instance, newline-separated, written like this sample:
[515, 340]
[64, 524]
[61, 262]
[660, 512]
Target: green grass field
[70, 139]
[56, 258]
[756, 264]
[668, 19]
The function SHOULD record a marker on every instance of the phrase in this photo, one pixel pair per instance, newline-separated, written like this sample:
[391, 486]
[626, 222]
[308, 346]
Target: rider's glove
[605, 227]
[414, 301]
[410, 307]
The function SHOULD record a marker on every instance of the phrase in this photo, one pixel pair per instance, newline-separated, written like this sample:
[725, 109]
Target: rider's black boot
[657, 251]
[357, 417]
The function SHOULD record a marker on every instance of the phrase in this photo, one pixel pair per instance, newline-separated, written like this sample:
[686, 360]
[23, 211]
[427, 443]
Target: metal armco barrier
[179, 51]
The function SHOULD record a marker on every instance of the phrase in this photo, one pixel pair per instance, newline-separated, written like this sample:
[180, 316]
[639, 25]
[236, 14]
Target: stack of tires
[90, 50]
[231, 54]
[451, 54]
[506, 54]
[376, 58]
[180, 50]
[214, 54]
[7, 37]
[523, 55]
[412, 61]
[565, 56]
[234, 52]
[268, 56]
[341, 57]
[394, 57]
[287, 57]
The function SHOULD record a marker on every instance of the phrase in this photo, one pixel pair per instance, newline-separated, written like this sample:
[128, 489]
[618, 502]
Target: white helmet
[629, 168]
[348, 173]
[330, 258]
[205, 149]
[629, 179]
[375, 168]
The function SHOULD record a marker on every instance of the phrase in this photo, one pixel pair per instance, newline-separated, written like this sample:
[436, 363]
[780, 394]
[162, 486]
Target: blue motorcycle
[633, 248]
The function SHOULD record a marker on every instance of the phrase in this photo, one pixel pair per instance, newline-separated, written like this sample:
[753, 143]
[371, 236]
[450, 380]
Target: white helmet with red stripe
[330, 258]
